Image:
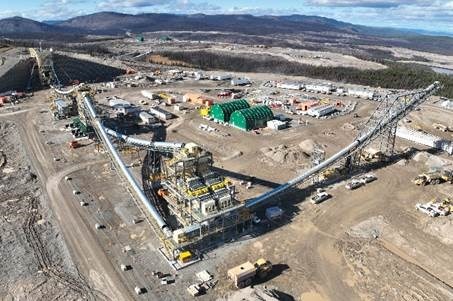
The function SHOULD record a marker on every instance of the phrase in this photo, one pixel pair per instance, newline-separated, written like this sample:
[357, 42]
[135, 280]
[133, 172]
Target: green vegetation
[396, 76]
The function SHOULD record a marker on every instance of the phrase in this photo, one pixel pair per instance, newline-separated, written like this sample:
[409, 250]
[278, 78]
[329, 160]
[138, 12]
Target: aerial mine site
[249, 157]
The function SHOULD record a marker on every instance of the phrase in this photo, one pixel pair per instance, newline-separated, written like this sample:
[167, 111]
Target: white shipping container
[320, 111]
[149, 94]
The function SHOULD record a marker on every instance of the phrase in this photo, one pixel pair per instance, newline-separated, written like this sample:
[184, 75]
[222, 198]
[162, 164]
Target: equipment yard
[123, 179]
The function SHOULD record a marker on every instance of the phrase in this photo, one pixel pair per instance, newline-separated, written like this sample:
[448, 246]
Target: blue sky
[433, 15]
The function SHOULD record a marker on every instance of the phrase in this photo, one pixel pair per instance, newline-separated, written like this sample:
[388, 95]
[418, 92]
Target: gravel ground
[34, 261]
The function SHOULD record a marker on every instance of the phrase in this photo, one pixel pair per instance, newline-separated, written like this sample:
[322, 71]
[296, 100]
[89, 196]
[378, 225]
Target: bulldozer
[433, 178]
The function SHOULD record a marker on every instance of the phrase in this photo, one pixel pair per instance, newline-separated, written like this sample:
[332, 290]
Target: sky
[430, 15]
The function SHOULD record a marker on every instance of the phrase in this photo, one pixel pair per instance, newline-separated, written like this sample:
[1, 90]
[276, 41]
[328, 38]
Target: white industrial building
[121, 106]
[361, 93]
[320, 88]
[147, 118]
[425, 139]
[240, 81]
[118, 102]
[221, 77]
[276, 125]
[150, 95]
[321, 111]
[161, 113]
[290, 85]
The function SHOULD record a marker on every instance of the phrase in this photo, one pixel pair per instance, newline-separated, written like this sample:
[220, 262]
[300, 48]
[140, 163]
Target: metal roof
[251, 118]
[257, 112]
[224, 110]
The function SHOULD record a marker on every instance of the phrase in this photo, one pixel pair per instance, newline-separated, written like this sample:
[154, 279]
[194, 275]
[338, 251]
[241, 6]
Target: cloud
[435, 15]
[367, 3]
[119, 4]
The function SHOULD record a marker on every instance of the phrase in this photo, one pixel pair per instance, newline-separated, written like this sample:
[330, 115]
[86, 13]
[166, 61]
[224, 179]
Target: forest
[395, 76]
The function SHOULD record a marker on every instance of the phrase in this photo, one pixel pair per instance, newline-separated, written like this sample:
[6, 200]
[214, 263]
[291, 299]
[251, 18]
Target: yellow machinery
[324, 101]
[433, 178]
[185, 256]
[198, 192]
[204, 112]
[219, 185]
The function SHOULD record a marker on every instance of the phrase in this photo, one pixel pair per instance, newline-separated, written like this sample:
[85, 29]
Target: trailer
[147, 118]
[321, 111]
[161, 113]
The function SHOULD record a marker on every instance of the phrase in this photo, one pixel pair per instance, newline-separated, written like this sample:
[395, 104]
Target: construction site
[130, 180]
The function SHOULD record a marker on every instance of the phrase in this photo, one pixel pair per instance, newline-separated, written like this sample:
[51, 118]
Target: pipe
[145, 143]
[394, 116]
[140, 194]
[68, 91]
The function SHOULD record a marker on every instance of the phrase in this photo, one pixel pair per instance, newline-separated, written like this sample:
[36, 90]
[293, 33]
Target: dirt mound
[348, 127]
[307, 146]
[289, 155]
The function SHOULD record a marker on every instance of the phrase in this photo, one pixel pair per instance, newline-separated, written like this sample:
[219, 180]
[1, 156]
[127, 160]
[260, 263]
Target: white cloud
[119, 4]
[368, 3]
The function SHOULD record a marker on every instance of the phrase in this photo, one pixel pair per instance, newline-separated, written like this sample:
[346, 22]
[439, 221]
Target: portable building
[320, 111]
[118, 102]
[240, 81]
[320, 88]
[147, 118]
[306, 105]
[161, 113]
[362, 93]
[221, 77]
[150, 95]
[251, 118]
[222, 111]
[289, 85]
[276, 125]
[197, 99]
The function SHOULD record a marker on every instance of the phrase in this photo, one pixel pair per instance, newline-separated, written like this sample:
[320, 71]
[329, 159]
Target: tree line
[395, 76]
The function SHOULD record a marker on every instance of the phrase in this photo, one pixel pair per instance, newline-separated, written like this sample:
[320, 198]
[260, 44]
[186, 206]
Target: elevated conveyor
[395, 113]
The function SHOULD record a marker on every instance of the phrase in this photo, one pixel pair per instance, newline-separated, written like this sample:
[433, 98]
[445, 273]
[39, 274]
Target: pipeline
[140, 194]
[348, 150]
[157, 145]
[68, 91]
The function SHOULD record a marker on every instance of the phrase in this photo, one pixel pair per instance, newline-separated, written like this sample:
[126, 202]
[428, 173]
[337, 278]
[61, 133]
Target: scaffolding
[201, 201]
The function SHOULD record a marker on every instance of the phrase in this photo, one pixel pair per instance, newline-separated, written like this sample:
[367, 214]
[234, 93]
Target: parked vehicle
[354, 184]
[320, 197]
[426, 209]
[368, 178]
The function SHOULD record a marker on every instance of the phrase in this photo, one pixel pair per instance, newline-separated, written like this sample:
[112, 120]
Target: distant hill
[117, 23]
[111, 23]
[23, 25]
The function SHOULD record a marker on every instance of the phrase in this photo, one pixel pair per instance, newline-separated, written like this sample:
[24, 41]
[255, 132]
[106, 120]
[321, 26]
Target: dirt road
[85, 250]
